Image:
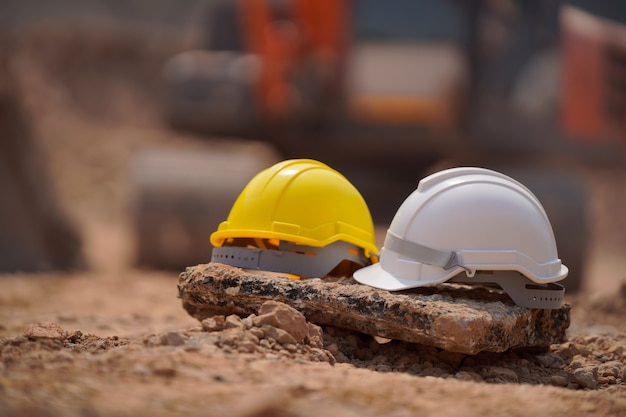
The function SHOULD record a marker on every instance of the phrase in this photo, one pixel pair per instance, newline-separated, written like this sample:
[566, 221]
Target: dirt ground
[121, 343]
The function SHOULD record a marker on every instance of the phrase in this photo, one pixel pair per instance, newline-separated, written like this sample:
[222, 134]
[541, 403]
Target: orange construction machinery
[383, 90]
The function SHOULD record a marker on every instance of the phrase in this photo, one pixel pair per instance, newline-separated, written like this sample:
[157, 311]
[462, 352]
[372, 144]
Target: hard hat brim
[375, 276]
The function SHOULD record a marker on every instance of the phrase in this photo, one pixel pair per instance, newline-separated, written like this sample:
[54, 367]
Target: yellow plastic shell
[301, 201]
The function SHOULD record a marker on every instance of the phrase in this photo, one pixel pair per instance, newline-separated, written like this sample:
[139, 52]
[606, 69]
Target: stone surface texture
[451, 317]
[44, 330]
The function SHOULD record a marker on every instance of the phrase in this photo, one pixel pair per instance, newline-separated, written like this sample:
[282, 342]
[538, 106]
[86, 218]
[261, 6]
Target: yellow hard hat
[298, 202]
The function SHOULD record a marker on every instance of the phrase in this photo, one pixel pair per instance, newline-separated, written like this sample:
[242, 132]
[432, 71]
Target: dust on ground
[114, 340]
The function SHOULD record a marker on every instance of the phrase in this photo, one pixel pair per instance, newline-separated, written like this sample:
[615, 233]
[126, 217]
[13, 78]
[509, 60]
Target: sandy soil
[130, 348]
[126, 346]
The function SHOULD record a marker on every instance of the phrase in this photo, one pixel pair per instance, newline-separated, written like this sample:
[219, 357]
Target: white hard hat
[476, 221]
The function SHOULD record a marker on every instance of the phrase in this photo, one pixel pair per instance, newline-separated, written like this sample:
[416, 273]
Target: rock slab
[452, 317]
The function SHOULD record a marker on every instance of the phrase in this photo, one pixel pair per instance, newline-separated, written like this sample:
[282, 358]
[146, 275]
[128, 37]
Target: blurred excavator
[382, 91]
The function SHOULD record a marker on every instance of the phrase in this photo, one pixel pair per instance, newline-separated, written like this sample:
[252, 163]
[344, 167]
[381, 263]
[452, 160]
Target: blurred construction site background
[128, 128]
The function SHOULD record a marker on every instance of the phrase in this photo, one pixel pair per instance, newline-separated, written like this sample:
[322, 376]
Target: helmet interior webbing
[308, 261]
[424, 254]
[522, 291]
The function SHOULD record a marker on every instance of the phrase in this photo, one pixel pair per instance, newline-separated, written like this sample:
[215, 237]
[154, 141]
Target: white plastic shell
[488, 220]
